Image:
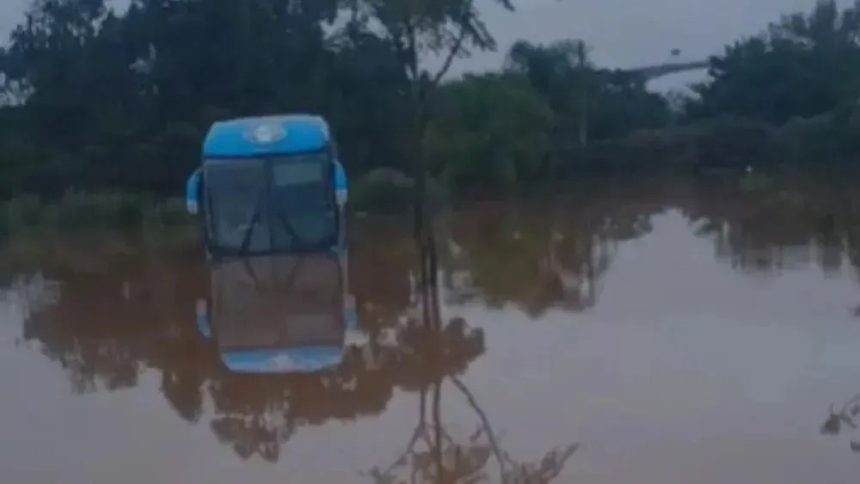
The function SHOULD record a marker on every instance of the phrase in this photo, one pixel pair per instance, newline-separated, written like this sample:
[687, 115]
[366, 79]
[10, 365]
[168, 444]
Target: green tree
[419, 28]
[491, 130]
[562, 73]
[804, 65]
[368, 101]
[118, 101]
[588, 103]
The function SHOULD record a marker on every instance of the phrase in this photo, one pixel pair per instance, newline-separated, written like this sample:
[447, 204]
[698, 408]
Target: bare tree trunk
[583, 108]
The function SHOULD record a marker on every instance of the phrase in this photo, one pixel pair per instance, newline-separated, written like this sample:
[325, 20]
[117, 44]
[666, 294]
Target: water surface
[660, 331]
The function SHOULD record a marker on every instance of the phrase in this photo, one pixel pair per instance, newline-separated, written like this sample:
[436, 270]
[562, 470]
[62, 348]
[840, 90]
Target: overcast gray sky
[628, 33]
[622, 33]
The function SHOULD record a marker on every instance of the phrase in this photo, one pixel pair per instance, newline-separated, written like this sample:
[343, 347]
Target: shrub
[383, 190]
[172, 212]
[735, 143]
[489, 131]
[130, 211]
[81, 211]
[4, 222]
[24, 211]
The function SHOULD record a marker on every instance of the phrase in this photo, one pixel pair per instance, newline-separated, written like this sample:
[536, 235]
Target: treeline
[788, 96]
[95, 99]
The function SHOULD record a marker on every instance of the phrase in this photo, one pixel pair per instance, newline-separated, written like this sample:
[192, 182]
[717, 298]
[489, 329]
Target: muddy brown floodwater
[652, 332]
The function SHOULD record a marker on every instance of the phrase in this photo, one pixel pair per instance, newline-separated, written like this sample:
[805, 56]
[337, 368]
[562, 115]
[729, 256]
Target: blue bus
[269, 185]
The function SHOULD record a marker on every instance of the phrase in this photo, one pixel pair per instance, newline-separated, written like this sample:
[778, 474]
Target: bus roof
[266, 135]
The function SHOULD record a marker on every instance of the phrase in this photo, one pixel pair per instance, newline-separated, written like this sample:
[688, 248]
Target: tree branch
[491, 436]
[412, 49]
[455, 49]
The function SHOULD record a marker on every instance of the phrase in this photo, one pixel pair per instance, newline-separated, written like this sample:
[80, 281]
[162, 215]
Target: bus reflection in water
[280, 313]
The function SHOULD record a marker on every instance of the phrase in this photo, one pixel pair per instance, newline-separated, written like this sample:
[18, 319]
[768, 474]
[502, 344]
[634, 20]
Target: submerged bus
[269, 185]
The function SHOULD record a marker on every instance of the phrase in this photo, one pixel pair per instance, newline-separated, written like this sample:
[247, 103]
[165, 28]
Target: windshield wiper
[255, 219]
[291, 231]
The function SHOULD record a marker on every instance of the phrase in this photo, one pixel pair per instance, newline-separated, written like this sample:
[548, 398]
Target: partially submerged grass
[86, 252]
[383, 190]
[82, 212]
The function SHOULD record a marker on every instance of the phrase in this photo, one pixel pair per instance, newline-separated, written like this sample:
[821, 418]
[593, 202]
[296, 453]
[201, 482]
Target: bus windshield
[270, 205]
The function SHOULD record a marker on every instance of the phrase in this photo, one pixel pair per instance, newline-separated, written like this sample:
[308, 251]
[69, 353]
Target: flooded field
[650, 332]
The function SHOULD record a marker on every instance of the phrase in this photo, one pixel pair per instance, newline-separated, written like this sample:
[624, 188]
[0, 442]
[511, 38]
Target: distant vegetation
[76, 211]
[95, 100]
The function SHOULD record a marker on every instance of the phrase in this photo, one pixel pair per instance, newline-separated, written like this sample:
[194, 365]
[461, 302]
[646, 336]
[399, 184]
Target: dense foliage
[98, 99]
[803, 66]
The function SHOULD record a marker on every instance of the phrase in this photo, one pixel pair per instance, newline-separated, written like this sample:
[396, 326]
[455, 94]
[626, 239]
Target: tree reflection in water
[432, 455]
[792, 222]
[542, 253]
[844, 419]
[258, 414]
[116, 312]
[134, 313]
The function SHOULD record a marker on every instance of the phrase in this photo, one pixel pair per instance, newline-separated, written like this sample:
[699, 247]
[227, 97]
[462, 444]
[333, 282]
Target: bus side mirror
[341, 185]
[192, 193]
